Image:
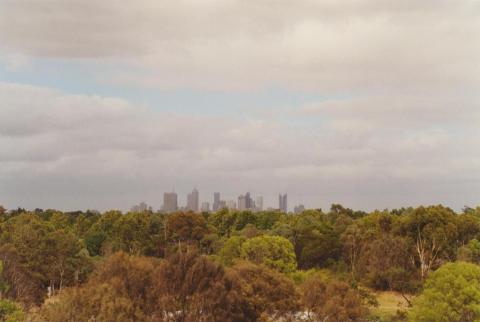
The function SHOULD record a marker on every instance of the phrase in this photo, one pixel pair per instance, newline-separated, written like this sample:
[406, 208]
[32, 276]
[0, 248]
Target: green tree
[434, 235]
[11, 311]
[232, 250]
[50, 257]
[132, 233]
[451, 294]
[223, 221]
[470, 252]
[94, 241]
[273, 251]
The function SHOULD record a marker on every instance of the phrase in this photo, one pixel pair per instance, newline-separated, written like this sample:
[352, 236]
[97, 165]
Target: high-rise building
[216, 201]
[231, 204]
[170, 202]
[141, 207]
[222, 204]
[299, 209]
[242, 202]
[192, 201]
[205, 206]
[259, 203]
[282, 202]
[248, 201]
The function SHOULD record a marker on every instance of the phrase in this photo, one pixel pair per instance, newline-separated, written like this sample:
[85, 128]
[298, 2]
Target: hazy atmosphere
[369, 103]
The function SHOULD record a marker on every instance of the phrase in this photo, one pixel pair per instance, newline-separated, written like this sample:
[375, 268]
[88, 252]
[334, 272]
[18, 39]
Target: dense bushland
[238, 266]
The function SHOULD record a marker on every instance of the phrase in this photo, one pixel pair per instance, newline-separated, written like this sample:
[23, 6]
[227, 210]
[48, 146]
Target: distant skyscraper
[282, 202]
[216, 201]
[205, 207]
[141, 207]
[299, 209]
[222, 204]
[259, 203]
[192, 201]
[242, 202]
[231, 204]
[248, 201]
[170, 202]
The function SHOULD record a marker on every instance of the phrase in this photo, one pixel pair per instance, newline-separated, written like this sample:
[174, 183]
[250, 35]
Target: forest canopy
[239, 265]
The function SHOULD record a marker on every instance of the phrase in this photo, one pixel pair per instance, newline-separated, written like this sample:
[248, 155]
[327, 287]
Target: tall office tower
[282, 202]
[216, 201]
[222, 204]
[231, 204]
[259, 203]
[205, 207]
[192, 201]
[170, 202]
[141, 207]
[248, 201]
[299, 209]
[242, 202]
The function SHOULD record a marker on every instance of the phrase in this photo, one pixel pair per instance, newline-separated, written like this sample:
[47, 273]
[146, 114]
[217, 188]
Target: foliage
[232, 250]
[315, 240]
[189, 287]
[433, 234]
[274, 251]
[470, 252]
[117, 291]
[268, 293]
[332, 300]
[229, 265]
[10, 311]
[452, 293]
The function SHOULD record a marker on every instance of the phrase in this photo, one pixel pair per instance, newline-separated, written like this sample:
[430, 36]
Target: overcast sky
[371, 103]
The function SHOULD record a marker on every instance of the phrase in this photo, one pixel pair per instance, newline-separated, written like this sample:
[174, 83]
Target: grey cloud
[72, 151]
[337, 46]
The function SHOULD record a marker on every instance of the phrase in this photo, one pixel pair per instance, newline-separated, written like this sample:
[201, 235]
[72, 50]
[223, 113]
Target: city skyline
[105, 104]
[196, 203]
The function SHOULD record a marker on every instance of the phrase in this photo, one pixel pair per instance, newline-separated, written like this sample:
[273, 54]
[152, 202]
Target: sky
[372, 104]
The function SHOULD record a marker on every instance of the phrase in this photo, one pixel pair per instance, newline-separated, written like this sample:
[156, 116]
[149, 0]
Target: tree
[186, 227]
[270, 294]
[433, 232]
[188, 287]
[386, 260]
[314, 239]
[337, 210]
[94, 241]
[10, 311]
[101, 302]
[468, 226]
[274, 251]
[266, 220]
[451, 294]
[50, 258]
[132, 233]
[470, 252]
[331, 300]
[224, 221]
[355, 241]
[22, 284]
[232, 250]
[117, 291]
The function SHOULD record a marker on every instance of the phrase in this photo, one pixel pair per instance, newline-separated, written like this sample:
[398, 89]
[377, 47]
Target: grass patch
[389, 303]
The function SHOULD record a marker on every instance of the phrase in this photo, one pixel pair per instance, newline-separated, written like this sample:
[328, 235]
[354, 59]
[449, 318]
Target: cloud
[328, 46]
[399, 122]
[64, 150]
